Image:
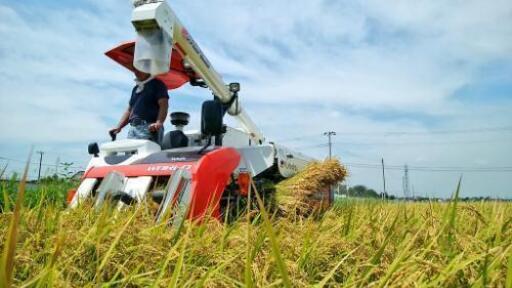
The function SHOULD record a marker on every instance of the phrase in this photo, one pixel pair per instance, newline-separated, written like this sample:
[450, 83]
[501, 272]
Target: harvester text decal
[168, 168]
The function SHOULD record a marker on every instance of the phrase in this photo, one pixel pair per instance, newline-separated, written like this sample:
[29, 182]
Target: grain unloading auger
[192, 173]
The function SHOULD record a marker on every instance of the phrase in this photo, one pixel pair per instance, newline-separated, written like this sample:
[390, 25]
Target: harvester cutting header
[190, 174]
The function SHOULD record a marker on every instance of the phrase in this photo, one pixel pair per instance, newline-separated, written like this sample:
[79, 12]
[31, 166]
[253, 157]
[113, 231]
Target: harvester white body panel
[123, 152]
[289, 161]
[84, 191]
[137, 187]
[256, 158]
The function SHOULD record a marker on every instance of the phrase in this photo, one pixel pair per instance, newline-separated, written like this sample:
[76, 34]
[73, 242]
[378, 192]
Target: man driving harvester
[147, 109]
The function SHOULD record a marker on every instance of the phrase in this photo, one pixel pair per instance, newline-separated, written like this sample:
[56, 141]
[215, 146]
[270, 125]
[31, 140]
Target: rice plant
[353, 244]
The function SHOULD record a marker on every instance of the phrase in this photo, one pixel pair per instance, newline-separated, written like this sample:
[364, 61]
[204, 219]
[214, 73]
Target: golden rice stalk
[309, 189]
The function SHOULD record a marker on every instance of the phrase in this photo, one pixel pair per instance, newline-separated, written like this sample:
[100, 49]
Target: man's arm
[123, 122]
[163, 107]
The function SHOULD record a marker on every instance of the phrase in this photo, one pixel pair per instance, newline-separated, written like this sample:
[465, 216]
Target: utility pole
[406, 182]
[40, 163]
[383, 180]
[57, 166]
[329, 134]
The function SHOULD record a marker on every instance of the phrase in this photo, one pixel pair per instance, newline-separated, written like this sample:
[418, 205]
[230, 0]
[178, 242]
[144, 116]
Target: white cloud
[306, 67]
[428, 50]
[55, 76]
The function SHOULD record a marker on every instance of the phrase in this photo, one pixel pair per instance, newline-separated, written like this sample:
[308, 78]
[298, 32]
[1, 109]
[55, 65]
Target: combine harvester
[192, 174]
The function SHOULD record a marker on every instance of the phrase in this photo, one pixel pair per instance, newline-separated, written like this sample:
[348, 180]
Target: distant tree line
[361, 191]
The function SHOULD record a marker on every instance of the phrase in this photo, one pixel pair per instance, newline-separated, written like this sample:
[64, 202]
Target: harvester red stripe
[157, 169]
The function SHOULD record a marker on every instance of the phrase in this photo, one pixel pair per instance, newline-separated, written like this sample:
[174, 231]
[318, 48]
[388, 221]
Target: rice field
[354, 244]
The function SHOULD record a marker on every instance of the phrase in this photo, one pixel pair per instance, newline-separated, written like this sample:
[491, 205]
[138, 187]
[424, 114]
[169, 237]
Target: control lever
[113, 135]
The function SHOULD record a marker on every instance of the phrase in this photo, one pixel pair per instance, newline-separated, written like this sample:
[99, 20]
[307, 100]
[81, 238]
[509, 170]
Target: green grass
[354, 244]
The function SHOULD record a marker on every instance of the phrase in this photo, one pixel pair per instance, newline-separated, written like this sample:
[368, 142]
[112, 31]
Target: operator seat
[176, 138]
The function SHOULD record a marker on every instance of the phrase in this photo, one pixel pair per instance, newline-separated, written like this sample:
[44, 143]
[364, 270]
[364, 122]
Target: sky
[422, 83]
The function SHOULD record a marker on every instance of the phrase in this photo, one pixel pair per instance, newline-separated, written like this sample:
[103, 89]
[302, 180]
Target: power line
[312, 146]
[455, 131]
[399, 133]
[424, 143]
[440, 167]
[379, 143]
[37, 163]
[432, 168]
[356, 165]
[298, 138]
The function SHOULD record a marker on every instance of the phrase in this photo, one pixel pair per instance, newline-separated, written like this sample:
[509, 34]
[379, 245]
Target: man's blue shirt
[144, 105]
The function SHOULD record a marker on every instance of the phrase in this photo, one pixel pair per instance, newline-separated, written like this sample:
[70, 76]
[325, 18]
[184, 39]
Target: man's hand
[155, 127]
[114, 131]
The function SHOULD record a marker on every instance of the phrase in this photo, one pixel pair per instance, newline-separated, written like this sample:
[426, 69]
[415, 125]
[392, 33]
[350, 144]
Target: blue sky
[361, 68]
